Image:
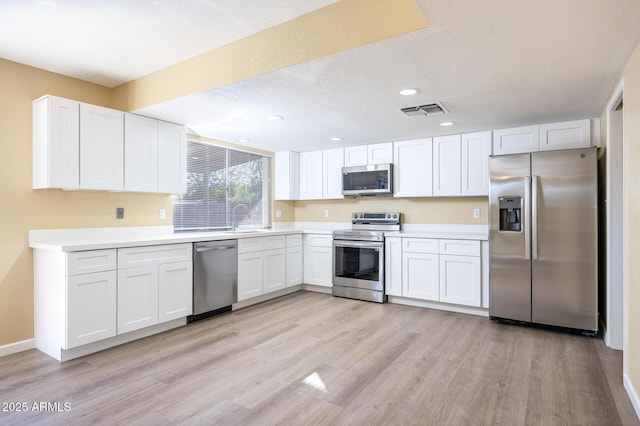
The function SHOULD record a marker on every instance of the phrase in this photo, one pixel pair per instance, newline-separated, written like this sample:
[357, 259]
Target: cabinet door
[565, 135]
[393, 266]
[56, 143]
[380, 153]
[311, 175]
[420, 276]
[287, 175]
[294, 266]
[412, 175]
[460, 280]
[91, 308]
[172, 158]
[332, 163]
[137, 298]
[250, 275]
[516, 140]
[140, 153]
[274, 270]
[355, 156]
[476, 149]
[175, 290]
[318, 266]
[101, 148]
[446, 166]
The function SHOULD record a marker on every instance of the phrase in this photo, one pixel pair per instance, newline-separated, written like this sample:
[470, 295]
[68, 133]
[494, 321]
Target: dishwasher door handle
[202, 249]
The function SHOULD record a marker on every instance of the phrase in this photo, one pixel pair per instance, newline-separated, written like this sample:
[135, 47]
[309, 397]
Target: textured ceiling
[110, 42]
[493, 64]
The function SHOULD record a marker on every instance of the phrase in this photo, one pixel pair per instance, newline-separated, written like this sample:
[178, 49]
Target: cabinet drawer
[294, 240]
[247, 245]
[460, 247]
[274, 242]
[85, 262]
[420, 245]
[319, 240]
[153, 255]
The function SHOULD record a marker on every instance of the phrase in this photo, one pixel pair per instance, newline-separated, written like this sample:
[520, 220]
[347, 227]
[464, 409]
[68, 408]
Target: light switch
[120, 213]
[278, 213]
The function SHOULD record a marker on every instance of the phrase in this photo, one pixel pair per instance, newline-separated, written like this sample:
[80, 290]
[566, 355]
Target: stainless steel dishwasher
[215, 277]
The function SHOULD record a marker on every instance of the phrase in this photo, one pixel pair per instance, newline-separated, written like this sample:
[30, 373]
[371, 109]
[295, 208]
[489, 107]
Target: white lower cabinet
[438, 270]
[91, 308]
[261, 266]
[460, 280]
[154, 285]
[137, 298]
[393, 266]
[420, 276]
[293, 260]
[250, 266]
[175, 290]
[318, 269]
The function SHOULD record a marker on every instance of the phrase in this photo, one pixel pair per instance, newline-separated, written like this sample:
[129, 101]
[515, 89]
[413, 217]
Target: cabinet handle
[201, 249]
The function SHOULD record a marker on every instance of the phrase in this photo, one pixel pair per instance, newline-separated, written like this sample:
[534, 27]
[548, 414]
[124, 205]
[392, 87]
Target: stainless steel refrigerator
[543, 266]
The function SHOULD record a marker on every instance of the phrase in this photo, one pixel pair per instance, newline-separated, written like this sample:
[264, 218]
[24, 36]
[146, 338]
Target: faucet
[234, 224]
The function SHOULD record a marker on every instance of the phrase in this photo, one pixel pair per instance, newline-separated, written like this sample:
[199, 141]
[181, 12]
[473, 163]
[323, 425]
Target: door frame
[615, 236]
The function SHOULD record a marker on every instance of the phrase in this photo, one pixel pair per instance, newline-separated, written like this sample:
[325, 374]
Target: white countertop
[71, 241]
[79, 239]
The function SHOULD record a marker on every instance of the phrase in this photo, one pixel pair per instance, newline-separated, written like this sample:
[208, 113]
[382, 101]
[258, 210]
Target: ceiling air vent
[435, 108]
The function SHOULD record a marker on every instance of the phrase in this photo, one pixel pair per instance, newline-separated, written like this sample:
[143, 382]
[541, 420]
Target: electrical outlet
[476, 213]
[326, 213]
[120, 213]
[278, 213]
[163, 214]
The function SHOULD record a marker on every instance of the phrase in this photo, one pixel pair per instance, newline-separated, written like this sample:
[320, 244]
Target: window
[223, 185]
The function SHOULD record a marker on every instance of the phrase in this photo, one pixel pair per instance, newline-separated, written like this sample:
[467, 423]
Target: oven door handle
[361, 244]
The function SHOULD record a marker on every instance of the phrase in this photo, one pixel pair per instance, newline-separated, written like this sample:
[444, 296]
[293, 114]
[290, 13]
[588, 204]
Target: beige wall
[631, 148]
[415, 210]
[24, 209]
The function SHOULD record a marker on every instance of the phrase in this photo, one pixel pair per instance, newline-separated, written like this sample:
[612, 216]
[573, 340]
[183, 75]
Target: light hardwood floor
[310, 358]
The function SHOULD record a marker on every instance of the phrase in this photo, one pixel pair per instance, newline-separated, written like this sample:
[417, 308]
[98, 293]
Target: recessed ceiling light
[447, 123]
[408, 92]
[336, 139]
[274, 117]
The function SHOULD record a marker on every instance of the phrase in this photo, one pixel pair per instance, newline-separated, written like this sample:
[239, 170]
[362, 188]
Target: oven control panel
[389, 218]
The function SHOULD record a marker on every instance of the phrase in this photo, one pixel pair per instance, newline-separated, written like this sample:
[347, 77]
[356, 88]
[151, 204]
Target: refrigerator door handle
[527, 217]
[534, 214]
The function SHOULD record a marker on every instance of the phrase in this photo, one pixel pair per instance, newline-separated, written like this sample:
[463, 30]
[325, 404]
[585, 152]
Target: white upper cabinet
[140, 153]
[412, 175]
[476, 149]
[311, 175]
[101, 148]
[568, 134]
[355, 156]
[516, 140]
[446, 165]
[543, 137]
[379, 153]
[82, 146]
[172, 158]
[332, 163]
[287, 175]
[56, 143]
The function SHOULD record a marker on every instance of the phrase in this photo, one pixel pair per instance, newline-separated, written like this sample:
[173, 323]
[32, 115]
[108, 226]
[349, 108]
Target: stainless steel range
[358, 256]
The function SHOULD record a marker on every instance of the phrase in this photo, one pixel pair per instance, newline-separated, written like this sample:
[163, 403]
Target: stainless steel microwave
[375, 179]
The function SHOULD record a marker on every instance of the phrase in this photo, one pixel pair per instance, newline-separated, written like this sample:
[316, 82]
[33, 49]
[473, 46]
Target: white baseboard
[633, 395]
[482, 312]
[14, 348]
